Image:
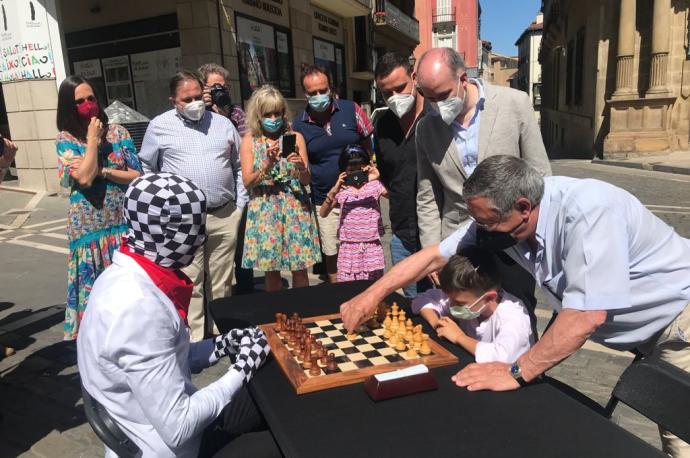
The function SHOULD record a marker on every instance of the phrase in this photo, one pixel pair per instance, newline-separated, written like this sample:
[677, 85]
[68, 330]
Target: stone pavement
[40, 401]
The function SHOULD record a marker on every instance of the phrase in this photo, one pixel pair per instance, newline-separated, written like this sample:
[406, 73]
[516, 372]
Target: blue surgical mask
[272, 125]
[465, 312]
[319, 102]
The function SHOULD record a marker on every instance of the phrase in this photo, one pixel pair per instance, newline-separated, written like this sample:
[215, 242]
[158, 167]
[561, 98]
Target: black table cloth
[536, 421]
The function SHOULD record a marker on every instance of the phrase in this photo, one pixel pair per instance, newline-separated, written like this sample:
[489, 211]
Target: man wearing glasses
[202, 146]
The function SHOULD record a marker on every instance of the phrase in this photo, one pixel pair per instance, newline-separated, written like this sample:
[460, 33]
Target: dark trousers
[520, 283]
[239, 431]
[244, 278]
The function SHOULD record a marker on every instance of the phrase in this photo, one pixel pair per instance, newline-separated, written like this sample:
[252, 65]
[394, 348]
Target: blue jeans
[400, 252]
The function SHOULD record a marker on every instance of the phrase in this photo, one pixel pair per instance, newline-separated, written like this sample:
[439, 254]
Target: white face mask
[194, 110]
[450, 108]
[401, 104]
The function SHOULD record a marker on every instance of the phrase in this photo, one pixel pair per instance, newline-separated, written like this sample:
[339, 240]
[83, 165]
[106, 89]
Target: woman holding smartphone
[281, 231]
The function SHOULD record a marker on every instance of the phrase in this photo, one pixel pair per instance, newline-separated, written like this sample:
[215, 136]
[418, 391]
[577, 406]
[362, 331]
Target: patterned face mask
[166, 215]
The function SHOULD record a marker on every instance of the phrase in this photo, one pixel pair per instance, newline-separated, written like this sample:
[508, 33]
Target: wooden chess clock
[316, 353]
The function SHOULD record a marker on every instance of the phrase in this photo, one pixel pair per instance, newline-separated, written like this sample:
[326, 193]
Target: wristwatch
[517, 374]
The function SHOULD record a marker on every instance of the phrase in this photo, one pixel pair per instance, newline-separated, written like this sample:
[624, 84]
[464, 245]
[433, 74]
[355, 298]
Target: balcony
[388, 16]
[443, 20]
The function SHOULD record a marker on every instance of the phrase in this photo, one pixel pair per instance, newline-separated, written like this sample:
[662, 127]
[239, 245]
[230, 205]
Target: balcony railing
[387, 14]
[443, 15]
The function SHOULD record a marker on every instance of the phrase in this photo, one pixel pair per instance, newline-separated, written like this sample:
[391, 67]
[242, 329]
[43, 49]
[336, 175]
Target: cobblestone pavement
[40, 402]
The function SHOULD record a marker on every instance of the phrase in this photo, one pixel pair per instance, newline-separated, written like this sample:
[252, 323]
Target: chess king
[134, 353]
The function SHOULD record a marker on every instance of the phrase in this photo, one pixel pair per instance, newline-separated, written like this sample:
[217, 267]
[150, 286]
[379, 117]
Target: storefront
[130, 66]
[264, 46]
[329, 52]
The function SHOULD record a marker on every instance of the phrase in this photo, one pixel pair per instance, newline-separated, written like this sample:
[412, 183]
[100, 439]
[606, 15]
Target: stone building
[528, 76]
[616, 77]
[502, 69]
[131, 48]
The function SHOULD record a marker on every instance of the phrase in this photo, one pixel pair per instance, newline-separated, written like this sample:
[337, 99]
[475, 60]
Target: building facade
[450, 24]
[615, 77]
[130, 49]
[502, 69]
[528, 76]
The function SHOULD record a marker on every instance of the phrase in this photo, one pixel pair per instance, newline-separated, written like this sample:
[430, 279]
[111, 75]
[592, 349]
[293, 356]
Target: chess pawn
[307, 363]
[394, 310]
[411, 353]
[400, 346]
[315, 370]
[401, 317]
[393, 340]
[387, 321]
[394, 326]
[425, 349]
[331, 365]
[387, 334]
[408, 324]
[409, 336]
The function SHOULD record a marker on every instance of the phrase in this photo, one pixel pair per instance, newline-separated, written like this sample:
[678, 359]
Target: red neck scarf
[173, 283]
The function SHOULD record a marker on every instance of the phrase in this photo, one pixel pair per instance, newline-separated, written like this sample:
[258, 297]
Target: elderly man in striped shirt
[202, 146]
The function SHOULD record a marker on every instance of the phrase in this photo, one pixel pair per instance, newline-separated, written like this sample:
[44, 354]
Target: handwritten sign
[25, 51]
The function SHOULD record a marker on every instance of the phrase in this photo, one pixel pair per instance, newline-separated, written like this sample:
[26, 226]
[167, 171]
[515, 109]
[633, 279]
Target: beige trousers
[673, 346]
[212, 268]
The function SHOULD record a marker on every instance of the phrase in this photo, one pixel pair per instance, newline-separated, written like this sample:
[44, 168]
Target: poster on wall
[118, 85]
[151, 72]
[25, 51]
[330, 57]
[264, 55]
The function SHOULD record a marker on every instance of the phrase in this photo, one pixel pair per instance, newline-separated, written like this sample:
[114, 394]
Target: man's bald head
[439, 63]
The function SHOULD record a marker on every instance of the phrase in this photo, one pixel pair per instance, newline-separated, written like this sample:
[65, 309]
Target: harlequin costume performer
[134, 351]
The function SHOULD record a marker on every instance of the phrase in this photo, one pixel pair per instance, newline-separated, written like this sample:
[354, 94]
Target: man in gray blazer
[472, 121]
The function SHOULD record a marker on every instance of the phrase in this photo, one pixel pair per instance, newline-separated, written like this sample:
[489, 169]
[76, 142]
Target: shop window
[330, 56]
[265, 56]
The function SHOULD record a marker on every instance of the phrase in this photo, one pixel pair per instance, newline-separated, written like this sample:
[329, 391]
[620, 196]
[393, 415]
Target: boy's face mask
[465, 312]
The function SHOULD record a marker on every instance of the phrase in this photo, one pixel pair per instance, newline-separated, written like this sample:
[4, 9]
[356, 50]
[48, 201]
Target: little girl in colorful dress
[360, 256]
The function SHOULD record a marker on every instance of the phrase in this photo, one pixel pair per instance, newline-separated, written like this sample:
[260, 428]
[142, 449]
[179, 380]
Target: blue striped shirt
[204, 151]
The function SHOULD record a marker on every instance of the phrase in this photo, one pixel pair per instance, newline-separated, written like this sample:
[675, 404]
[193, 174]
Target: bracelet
[105, 171]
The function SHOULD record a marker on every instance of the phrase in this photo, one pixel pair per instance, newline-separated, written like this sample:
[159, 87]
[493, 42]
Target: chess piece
[315, 370]
[411, 353]
[417, 339]
[425, 349]
[387, 334]
[395, 310]
[350, 335]
[394, 325]
[401, 317]
[331, 364]
[393, 340]
[408, 324]
[409, 337]
[400, 346]
[323, 358]
[387, 321]
[307, 363]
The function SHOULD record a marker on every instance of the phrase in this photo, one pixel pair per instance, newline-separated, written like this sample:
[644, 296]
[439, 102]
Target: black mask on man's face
[496, 241]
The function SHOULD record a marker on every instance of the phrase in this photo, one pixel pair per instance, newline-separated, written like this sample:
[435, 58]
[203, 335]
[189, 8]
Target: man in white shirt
[614, 271]
[134, 351]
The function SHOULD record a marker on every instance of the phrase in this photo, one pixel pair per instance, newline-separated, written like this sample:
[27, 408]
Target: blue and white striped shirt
[204, 151]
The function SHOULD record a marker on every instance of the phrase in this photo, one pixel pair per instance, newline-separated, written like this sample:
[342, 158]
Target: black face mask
[496, 241]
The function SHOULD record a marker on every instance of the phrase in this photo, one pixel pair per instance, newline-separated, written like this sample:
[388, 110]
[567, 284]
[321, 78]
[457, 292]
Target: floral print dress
[281, 231]
[95, 218]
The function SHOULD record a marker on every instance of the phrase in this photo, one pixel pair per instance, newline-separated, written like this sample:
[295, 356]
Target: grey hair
[503, 180]
[452, 58]
[214, 69]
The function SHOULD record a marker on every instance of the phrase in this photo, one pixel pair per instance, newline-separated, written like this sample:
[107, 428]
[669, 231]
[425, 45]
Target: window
[579, 66]
[569, 73]
[265, 56]
[330, 56]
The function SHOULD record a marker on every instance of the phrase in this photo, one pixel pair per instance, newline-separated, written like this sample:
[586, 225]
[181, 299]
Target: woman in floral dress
[281, 230]
[97, 161]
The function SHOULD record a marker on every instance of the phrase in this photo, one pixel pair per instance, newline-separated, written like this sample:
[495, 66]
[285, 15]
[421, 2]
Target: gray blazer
[507, 126]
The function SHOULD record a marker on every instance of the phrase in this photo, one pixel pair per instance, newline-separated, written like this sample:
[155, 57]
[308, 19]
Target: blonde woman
[281, 232]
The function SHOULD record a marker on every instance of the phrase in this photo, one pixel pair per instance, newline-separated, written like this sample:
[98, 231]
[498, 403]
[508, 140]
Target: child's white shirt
[503, 337]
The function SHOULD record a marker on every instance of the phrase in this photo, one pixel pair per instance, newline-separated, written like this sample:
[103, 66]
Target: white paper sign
[88, 68]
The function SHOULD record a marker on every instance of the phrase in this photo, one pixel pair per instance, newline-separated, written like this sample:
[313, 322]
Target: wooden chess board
[357, 358]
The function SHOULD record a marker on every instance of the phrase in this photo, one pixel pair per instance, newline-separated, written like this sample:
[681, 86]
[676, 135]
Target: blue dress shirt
[599, 248]
[467, 139]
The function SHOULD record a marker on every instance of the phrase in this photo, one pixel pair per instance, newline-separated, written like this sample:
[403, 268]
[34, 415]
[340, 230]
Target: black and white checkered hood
[166, 215]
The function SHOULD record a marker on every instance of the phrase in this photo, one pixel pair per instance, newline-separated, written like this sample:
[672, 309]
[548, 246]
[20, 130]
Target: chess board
[356, 358]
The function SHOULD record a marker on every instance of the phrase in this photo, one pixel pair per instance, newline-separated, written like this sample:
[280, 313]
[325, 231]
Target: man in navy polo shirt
[328, 124]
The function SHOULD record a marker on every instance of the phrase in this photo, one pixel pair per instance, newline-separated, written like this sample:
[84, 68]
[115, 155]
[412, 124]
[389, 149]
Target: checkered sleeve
[364, 127]
[253, 352]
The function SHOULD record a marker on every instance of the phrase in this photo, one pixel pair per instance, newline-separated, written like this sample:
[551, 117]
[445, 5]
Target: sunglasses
[91, 98]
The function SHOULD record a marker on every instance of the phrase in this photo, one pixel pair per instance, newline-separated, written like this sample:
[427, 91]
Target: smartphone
[356, 179]
[288, 145]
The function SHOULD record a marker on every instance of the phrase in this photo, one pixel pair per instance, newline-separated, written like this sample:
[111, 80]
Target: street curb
[645, 166]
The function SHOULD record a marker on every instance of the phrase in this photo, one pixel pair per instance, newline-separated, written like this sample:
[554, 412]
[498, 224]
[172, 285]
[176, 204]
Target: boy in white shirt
[493, 324]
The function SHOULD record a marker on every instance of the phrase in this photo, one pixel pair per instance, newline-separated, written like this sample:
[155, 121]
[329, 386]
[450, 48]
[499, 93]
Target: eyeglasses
[91, 98]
